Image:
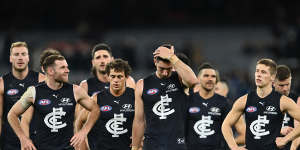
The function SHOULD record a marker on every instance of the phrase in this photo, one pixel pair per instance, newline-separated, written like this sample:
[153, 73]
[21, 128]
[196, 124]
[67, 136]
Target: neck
[20, 74]
[102, 77]
[205, 94]
[117, 92]
[52, 84]
[264, 91]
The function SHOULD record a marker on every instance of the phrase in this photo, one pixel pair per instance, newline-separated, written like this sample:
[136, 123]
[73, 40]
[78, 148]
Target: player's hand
[26, 144]
[164, 52]
[78, 138]
[280, 142]
[286, 130]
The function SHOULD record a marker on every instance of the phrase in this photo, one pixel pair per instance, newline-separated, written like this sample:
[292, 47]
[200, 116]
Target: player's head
[265, 72]
[47, 53]
[222, 88]
[19, 57]
[283, 80]
[118, 71]
[163, 66]
[101, 56]
[207, 77]
[56, 66]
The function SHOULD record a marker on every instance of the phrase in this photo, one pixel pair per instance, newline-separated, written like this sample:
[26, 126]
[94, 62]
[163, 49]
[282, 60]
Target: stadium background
[231, 34]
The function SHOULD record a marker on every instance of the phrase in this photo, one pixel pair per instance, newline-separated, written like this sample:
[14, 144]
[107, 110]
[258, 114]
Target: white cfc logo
[286, 120]
[160, 107]
[256, 127]
[201, 127]
[52, 119]
[113, 125]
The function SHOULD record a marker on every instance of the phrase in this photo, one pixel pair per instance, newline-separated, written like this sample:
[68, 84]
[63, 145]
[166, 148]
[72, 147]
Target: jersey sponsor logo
[152, 91]
[160, 107]
[12, 92]
[114, 125]
[44, 102]
[270, 110]
[171, 88]
[202, 127]
[52, 120]
[215, 111]
[106, 108]
[256, 127]
[127, 108]
[194, 110]
[251, 109]
[65, 102]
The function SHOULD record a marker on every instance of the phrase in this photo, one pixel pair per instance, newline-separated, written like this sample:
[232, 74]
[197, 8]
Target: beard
[20, 69]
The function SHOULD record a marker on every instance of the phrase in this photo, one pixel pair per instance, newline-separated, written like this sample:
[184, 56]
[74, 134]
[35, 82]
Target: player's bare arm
[231, 119]
[289, 106]
[130, 82]
[19, 108]
[240, 127]
[138, 126]
[84, 100]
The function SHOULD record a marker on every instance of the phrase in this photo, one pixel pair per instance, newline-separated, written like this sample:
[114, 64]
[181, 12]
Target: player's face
[207, 79]
[263, 76]
[19, 58]
[163, 69]
[100, 60]
[61, 71]
[117, 80]
[221, 89]
[284, 86]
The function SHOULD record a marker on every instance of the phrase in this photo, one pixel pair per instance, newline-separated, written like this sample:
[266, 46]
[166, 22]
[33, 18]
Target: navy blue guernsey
[112, 131]
[95, 86]
[165, 111]
[53, 117]
[204, 121]
[288, 120]
[13, 90]
[263, 121]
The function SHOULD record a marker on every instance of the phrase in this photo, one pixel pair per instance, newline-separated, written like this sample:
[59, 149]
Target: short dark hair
[50, 60]
[270, 63]
[283, 72]
[207, 65]
[46, 53]
[118, 65]
[101, 46]
[184, 58]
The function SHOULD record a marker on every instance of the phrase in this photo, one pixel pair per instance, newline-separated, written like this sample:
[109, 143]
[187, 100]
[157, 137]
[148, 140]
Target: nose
[165, 72]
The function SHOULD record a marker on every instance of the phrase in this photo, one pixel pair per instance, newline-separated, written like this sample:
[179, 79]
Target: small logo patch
[152, 91]
[106, 108]
[251, 109]
[12, 92]
[194, 110]
[44, 102]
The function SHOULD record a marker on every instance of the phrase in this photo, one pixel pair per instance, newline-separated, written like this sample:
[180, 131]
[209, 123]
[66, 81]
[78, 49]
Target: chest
[199, 108]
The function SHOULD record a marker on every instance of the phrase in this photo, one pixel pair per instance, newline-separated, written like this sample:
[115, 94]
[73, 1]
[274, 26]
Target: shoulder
[130, 82]
[84, 84]
[241, 102]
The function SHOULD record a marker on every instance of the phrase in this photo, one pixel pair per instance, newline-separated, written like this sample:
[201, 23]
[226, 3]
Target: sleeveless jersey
[13, 90]
[165, 111]
[204, 121]
[95, 86]
[263, 121]
[112, 130]
[53, 117]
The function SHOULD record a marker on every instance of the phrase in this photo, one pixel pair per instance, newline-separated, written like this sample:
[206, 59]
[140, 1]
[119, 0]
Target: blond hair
[18, 44]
